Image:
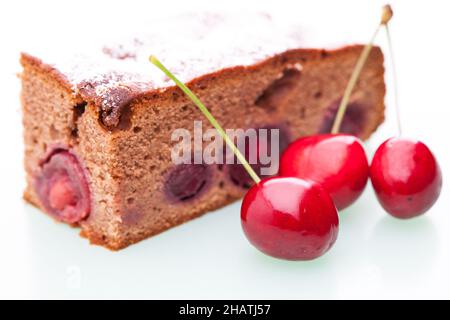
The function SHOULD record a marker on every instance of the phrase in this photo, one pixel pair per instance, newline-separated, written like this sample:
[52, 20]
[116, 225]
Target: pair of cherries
[295, 216]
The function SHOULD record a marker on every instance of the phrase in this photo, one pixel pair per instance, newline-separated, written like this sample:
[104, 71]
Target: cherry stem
[209, 116]
[385, 17]
[394, 80]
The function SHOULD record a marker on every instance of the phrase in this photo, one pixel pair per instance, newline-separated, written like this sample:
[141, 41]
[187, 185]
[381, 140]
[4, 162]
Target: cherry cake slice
[98, 127]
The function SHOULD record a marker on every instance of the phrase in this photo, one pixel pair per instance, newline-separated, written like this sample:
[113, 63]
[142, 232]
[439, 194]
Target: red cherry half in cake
[354, 120]
[187, 181]
[63, 189]
[406, 177]
[289, 218]
[237, 173]
[337, 161]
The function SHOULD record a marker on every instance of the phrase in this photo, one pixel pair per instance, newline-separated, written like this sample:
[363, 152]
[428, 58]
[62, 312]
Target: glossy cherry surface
[406, 177]
[289, 218]
[337, 161]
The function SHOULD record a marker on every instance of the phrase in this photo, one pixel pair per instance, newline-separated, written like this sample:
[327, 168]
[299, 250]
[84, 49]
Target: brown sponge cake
[97, 126]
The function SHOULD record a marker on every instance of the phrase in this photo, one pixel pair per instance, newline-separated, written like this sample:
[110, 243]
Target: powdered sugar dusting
[190, 46]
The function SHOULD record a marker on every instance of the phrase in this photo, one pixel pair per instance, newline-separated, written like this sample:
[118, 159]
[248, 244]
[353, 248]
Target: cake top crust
[191, 45]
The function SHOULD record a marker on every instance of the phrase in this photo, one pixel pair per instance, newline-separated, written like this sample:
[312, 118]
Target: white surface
[375, 255]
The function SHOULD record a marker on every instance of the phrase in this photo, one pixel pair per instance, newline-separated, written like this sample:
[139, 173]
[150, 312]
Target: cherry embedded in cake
[353, 123]
[186, 181]
[62, 188]
[262, 148]
[115, 113]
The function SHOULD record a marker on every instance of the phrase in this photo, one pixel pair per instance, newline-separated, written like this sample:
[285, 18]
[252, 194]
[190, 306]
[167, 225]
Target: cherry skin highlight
[336, 161]
[289, 218]
[406, 177]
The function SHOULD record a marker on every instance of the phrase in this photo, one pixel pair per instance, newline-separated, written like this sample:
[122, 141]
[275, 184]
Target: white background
[375, 256]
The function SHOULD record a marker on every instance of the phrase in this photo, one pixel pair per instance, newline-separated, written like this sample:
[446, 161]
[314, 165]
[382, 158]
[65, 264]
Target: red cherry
[62, 194]
[186, 181]
[289, 218]
[337, 161]
[62, 188]
[406, 177]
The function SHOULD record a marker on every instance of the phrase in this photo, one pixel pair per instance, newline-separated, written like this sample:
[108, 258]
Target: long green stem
[394, 78]
[351, 83]
[209, 116]
[386, 16]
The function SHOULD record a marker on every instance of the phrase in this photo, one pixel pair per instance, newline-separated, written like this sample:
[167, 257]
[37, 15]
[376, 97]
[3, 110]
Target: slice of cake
[97, 126]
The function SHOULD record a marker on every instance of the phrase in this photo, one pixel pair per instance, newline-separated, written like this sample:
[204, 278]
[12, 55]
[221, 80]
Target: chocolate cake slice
[98, 125]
